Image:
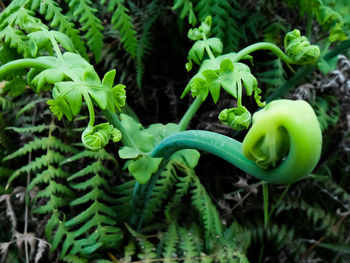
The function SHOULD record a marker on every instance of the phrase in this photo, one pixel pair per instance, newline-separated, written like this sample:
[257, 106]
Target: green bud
[298, 48]
[237, 118]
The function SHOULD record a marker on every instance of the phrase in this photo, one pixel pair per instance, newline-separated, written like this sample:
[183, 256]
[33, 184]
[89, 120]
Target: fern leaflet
[91, 24]
[53, 13]
[123, 23]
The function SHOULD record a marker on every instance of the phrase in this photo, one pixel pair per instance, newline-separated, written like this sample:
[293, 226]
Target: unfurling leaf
[226, 74]
[298, 48]
[237, 118]
[197, 33]
[119, 96]
[98, 136]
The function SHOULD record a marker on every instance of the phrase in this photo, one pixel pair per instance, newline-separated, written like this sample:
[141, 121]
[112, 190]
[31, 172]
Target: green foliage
[328, 18]
[123, 23]
[114, 202]
[94, 228]
[298, 48]
[52, 12]
[186, 10]
[327, 110]
[91, 24]
[225, 18]
[144, 45]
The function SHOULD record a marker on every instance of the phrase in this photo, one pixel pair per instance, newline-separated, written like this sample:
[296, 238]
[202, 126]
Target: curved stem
[221, 146]
[21, 64]
[207, 48]
[296, 117]
[263, 46]
[191, 111]
[90, 108]
[114, 120]
[55, 47]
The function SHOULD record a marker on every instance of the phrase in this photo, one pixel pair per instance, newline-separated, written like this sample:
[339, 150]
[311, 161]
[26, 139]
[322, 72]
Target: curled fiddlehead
[298, 48]
[98, 136]
[282, 146]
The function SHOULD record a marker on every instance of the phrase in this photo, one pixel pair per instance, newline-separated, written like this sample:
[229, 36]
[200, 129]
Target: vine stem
[220, 145]
[296, 117]
[23, 63]
[207, 48]
[263, 46]
[90, 108]
[191, 111]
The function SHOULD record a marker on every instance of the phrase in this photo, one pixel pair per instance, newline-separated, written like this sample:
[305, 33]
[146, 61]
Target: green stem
[266, 203]
[225, 148]
[114, 120]
[301, 132]
[239, 95]
[23, 63]
[90, 108]
[278, 201]
[207, 48]
[309, 27]
[55, 47]
[263, 46]
[190, 113]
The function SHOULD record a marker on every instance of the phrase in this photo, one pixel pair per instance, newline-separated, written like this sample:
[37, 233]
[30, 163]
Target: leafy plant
[99, 180]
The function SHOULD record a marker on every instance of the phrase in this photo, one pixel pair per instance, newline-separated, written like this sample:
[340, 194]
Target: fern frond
[189, 246]
[144, 45]
[160, 191]
[59, 235]
[15, 39]
[55, 188]
[95, 167]
[147, 248]
[42, 143]
[30, 106]
[186, 10]
[225, 15]
[170, 241]
[46, 176]
[91, 24]
[94, 208]
[123, 23]
[29, 129]
[10, 9]
[101, 154]
[204, 9]
[53, 13]
[97, 180]
[53, 203]
[25, 20]
[94, 194]
[94, 228]
[43, 161]
[273, 75]
[206, 209]
[123, 201]
[225, 23]
[5, 104]
[183, 185]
